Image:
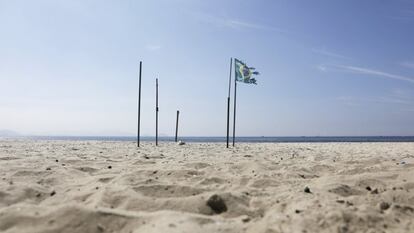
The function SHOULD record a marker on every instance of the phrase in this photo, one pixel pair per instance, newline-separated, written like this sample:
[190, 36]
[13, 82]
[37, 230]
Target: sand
[91, 186]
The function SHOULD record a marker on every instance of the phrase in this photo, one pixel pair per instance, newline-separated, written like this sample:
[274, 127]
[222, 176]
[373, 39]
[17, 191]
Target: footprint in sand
[345, 190]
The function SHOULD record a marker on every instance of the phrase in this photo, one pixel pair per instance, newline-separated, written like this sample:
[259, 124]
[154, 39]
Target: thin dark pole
[231, 64]
[234, 114]
[139, 104]
[176, 126]
[228, 122]
[228, 106]
[156, 112]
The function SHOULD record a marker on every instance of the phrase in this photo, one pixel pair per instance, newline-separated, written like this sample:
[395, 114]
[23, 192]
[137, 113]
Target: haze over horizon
[328, 68]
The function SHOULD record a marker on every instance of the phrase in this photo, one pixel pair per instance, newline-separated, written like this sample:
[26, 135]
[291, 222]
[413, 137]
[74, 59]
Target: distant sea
[238, 139]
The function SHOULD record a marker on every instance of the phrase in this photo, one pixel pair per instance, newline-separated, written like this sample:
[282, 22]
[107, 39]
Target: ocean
[238, 139]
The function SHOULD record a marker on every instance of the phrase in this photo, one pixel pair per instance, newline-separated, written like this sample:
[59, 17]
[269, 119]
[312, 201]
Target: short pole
[176, 126]
[228, 121]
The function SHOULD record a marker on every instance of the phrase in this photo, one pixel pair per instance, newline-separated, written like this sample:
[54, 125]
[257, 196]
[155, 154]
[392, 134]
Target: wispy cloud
[153, 47]
[233, 23]
[357, 101]
[408, 64]
[329, 54]
[322, 68]
[366, 71]
[402, 93]
[240, 25]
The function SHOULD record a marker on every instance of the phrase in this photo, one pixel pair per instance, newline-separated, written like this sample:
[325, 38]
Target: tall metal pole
[156, 112]
[139, 104]
[234, 114]
[176, 126]
[228, 105]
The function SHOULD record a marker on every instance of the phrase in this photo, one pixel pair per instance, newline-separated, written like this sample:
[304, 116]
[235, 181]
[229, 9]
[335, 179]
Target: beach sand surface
[94, 186]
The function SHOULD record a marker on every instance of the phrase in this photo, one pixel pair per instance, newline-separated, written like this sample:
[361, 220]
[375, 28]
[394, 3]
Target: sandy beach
[92, 186]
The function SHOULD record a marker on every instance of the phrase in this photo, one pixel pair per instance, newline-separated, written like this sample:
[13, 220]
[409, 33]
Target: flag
[244, 73]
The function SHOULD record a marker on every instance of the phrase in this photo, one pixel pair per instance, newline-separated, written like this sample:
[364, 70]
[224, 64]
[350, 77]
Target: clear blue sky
[327, 67]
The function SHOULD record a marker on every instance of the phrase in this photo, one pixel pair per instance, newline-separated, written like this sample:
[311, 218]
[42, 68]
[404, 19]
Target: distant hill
[8, 133]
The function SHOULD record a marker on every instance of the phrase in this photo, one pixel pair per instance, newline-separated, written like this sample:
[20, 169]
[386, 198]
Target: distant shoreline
[316, 139]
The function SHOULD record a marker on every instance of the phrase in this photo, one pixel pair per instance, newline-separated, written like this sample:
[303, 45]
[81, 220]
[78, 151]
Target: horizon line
[126, 136]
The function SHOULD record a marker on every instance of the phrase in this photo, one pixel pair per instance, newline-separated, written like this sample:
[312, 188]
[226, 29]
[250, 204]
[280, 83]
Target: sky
[327, 68]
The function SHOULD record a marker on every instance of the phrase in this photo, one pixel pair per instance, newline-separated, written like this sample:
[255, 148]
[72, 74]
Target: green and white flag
[244, 73]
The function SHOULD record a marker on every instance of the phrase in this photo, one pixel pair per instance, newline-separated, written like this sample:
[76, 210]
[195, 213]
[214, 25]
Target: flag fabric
[244, 73]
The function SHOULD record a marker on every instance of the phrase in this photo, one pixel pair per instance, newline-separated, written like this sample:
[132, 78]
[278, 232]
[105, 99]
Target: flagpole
[246, 78]
[139, 104]
[156, 112]
[234, 114]
[228, 105]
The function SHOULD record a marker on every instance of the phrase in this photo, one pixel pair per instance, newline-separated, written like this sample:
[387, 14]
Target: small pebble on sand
[246, 219]
[217, 204]
[384, 206]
